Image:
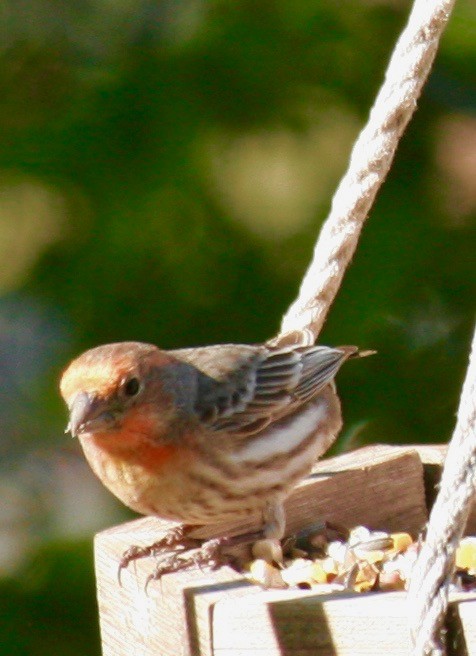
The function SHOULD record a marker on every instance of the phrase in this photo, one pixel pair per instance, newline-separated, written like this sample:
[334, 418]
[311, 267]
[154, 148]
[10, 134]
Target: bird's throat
[130, 465]
[126, 447]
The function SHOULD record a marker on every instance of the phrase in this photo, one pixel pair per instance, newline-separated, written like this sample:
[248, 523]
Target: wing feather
[241, 388]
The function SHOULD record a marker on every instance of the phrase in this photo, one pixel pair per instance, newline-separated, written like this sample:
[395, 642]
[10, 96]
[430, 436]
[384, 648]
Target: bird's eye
[131, 387]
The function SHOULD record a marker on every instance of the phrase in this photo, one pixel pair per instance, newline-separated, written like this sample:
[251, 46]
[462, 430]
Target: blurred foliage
[49, 609]
[165, 169]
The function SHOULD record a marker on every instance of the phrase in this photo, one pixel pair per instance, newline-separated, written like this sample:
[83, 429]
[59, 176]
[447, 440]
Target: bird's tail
[353, 351]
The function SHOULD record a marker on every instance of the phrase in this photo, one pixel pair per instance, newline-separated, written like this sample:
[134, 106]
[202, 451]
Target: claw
[207, 555]
[148, 580]
[176, 538]
[177, 552]
[131, 554]
[119, 573]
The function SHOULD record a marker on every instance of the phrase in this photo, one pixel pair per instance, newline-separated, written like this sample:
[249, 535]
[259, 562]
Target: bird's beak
[87, 413]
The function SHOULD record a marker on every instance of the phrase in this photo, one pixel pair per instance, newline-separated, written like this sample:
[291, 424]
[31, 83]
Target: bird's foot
[208, 555]
[177, 551]
[175, 540]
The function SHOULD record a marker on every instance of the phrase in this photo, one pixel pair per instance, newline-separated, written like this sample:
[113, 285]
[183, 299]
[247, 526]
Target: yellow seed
[401, 541]
[366, 573]
[466, 554]
[318, 573]
[364, 586]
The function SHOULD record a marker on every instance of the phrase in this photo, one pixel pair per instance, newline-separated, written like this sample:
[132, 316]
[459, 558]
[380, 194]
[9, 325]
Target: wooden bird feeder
[220, 613]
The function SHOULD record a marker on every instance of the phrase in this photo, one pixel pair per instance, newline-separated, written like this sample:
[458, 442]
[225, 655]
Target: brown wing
[243, 388]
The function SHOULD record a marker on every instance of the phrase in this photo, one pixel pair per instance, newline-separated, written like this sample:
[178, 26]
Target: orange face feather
[119, 433]
[101, 370]
[134, 442]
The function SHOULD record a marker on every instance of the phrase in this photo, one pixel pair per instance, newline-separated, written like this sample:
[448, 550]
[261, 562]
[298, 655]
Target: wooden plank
[268, 624]
[283, 622]
[379, 486]
[158, 621]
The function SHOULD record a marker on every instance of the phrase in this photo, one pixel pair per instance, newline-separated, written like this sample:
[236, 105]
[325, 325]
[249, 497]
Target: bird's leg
[274, 520]
[178, 551]
[176, 538]
[210, 553]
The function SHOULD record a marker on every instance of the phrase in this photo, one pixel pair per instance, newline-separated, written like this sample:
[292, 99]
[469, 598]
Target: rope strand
[370, 162]
[428, 593]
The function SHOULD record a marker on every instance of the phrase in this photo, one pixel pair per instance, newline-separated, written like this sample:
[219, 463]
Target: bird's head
[104, 385]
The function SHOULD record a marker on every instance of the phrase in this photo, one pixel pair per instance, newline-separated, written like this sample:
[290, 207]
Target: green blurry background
[165, 168]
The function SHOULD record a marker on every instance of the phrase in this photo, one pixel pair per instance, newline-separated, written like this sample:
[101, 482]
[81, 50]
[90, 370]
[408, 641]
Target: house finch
[207, 434]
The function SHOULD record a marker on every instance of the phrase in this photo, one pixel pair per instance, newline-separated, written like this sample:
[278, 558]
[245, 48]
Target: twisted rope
[370, 162]
[428, 593]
